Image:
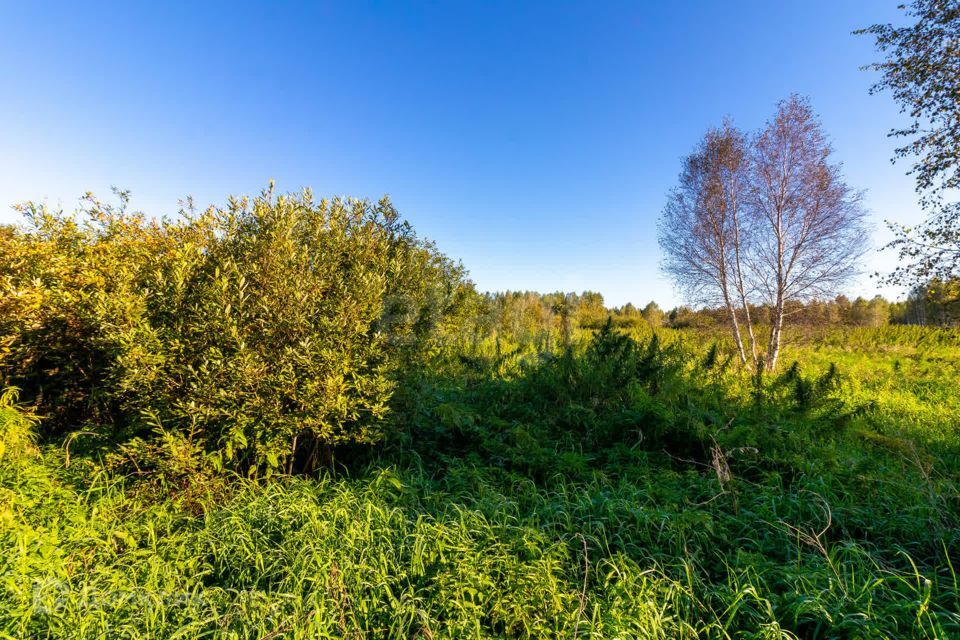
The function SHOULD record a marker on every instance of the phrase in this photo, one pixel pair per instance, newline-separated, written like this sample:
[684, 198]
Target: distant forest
[526, 314]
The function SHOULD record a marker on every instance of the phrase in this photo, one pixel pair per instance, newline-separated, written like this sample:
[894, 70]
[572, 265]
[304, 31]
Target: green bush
[264, 332]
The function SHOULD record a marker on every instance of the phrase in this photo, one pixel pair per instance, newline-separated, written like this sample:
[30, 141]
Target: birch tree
[700, 230]
[808, 230]
[921, 70]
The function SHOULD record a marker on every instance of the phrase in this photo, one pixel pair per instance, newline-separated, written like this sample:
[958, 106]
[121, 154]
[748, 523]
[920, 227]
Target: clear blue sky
[533, 141]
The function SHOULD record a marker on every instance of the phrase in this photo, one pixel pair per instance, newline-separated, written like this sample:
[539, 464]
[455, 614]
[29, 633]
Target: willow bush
[257, 335]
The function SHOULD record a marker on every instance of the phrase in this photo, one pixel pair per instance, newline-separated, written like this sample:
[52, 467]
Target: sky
[534, 141]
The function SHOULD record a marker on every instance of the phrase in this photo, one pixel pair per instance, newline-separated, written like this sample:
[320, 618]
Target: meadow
[292, 417]
[639, 484]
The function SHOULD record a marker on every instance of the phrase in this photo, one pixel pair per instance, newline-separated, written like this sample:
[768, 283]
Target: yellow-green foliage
[264, 331]
[17, 426]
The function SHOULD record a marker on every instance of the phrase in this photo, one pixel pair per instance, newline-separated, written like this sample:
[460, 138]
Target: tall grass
[624, 490]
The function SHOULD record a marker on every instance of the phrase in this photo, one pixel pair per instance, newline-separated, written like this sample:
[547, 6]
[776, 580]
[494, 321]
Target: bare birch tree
[766, 221]
[733, 161]
[700, 229]
[809, 232]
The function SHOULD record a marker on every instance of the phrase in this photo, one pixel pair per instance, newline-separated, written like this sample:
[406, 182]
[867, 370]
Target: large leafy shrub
[262, 333]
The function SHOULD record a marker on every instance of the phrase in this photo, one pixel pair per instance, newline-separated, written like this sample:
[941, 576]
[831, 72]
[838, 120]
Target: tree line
[529, 317]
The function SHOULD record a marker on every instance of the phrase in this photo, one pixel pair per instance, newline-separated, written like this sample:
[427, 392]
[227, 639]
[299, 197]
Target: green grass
[646, 491]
